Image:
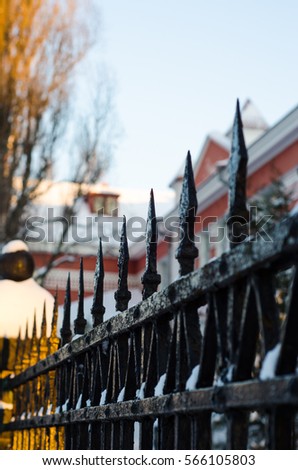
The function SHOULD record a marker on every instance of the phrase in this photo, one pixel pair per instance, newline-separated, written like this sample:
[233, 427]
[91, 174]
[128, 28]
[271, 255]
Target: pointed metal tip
[81, 283]
[238, 118]
[186, 251]
[97, 309]
[188, 166]
[34, 324]
[65, 331]
[80, 322]
[55, 299]
[44, 320]
[123, 230]
[151, 199]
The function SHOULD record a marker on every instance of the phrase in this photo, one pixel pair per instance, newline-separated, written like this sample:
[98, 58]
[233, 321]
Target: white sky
[179, 67]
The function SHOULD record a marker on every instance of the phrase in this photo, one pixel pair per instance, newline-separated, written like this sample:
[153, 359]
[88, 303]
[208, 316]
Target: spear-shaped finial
[34, 343]
[43, 342]
[151, 279]
[80, 322]
[26, 349]
[122, 294]
[54, 341]
[65, 331]
[238, 213]
[98, 310]
[18, 355]
[43, 332]
[187, 251]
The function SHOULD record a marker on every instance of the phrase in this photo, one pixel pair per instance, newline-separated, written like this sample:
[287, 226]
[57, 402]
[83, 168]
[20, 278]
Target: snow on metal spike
[97, 309]
[65, 331]
[151, 279]
[122, 294]
[80, 322]
[187, 251]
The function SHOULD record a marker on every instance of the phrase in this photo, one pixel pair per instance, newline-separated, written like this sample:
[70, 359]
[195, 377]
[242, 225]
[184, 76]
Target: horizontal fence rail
[212, 347]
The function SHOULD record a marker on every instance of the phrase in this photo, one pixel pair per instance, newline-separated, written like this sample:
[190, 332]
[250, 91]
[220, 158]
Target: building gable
[213, 154]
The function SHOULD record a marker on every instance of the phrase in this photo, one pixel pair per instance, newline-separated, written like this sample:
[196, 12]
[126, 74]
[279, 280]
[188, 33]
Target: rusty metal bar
[242, 395]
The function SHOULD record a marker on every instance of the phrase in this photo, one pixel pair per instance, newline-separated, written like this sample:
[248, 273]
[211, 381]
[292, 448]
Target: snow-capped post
[188, 205]
[80, 322]
[237, 222]
[97, 309]
[151, 279]
[65, 331]
[122, 294]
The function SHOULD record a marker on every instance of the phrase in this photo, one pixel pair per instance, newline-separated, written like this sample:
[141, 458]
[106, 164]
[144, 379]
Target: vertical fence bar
[237, 225]
[282, 419]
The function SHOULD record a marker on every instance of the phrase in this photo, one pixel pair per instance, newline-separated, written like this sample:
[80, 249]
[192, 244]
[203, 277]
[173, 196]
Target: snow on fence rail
[149, 378]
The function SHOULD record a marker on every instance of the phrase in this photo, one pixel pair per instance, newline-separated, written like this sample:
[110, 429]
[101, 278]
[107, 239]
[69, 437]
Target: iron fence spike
[54, 341]
[97, 309]
[238, 213]
[151, 279]
[187, 251]
[80, 322]
[43, 332]
[122, 294]
[65, 331]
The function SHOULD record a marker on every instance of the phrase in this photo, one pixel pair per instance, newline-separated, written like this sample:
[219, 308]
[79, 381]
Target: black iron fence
[159, 375]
